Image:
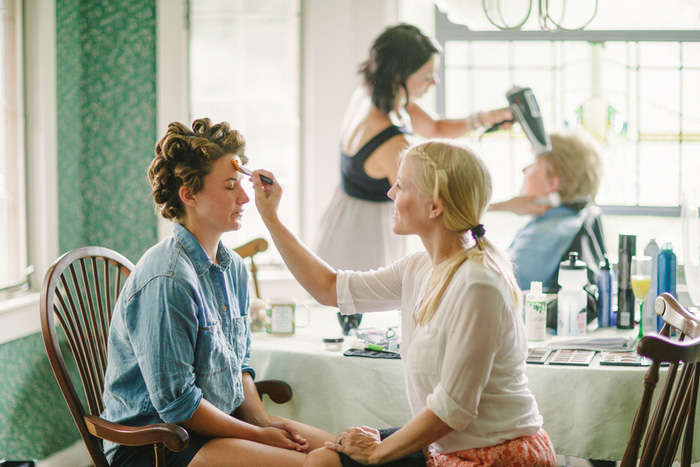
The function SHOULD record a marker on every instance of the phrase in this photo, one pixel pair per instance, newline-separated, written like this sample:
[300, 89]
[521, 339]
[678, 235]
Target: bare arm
[430, 126]
[522, 205]
[317, 277]
[211, 421]
[363, 444]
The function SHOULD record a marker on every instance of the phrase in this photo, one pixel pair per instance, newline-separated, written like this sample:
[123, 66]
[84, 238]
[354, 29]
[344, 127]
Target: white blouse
[467, 365]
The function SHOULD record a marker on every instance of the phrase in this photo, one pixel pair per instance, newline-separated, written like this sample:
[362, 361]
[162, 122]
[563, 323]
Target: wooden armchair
[81, 289]
[248, 250]
[674, 415]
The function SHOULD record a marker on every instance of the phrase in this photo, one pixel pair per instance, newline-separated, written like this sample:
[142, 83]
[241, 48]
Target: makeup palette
[572, 357]
[622, 359]
[537, 356]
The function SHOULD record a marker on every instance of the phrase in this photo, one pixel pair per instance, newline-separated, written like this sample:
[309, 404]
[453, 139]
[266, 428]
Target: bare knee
[322, 457]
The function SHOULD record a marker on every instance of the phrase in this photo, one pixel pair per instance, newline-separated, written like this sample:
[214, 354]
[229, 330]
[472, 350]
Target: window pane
[660, 54]
[691, 54]
[659, 173]
[690, 165]
[627, 94]
[619, 164]
[244, 69]
[691, 102]
[13, 245]
[491, 54]
[659, 92]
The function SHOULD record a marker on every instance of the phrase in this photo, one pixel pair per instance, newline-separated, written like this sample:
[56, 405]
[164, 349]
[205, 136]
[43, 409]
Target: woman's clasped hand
[357, 442]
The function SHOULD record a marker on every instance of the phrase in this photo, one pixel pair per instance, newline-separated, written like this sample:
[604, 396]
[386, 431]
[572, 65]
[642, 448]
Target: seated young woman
[464, 344]
[179, 341]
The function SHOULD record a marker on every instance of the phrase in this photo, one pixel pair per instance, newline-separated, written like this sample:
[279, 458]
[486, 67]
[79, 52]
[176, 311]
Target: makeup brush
[249, 173]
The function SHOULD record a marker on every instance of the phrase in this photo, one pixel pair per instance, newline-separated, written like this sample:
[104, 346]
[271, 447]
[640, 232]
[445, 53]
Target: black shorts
[417, 459]
[138, 456]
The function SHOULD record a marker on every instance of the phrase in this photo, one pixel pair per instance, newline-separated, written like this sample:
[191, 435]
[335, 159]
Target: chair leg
[160, 454]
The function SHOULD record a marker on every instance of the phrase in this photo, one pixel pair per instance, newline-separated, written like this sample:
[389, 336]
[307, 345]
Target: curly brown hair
[184, 157]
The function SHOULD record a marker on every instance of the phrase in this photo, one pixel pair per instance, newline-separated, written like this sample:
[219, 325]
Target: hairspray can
[666, 277]
[625, 296]
[605, 294]
[648, 319]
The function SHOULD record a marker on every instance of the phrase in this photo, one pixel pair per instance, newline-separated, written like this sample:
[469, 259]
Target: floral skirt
[527, 451]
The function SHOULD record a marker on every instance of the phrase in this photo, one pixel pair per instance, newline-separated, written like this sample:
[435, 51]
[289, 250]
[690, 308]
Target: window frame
[18, 314]
[14, 146]
[445, 31]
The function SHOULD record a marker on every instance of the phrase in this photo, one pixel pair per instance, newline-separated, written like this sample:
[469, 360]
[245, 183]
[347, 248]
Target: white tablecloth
[588, 411]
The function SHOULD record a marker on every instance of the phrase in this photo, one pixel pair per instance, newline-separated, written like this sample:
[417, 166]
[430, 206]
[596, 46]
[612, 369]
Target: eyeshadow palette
[572, 357]
[538, 355]
[622, 358]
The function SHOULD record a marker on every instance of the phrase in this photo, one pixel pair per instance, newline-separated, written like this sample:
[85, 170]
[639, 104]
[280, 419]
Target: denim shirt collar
[196, 252]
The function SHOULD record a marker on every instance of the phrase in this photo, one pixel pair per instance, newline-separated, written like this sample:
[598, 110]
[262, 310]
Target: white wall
[336, 36]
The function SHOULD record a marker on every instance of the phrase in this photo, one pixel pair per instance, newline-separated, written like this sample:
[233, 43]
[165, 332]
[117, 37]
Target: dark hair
[395, 55]
[184, 157]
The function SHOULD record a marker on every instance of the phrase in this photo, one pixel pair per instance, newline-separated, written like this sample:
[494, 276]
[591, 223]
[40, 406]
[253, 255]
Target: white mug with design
[280, 318]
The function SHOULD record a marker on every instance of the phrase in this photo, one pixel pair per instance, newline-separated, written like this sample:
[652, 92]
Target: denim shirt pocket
[211, 355]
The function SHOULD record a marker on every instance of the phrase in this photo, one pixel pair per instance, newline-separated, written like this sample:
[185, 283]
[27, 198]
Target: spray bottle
[572, 298]
[605, 294]
[666, 275]
[649, 316]
[535, 313]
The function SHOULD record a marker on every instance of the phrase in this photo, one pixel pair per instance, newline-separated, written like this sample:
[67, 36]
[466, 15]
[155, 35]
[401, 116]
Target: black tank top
[354, 180]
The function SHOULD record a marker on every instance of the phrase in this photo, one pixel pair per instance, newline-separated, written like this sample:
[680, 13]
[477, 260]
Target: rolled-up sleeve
[162, 328]
[472, 339]
[376, 290]
[246, 361]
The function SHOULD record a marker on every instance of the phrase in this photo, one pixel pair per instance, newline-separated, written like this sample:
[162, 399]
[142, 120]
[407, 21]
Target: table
[588, 411]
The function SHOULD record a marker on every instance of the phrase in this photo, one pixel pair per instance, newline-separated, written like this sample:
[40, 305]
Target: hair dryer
[525, 110]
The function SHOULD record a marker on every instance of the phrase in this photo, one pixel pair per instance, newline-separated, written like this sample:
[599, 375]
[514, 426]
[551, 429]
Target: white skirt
[356, 234]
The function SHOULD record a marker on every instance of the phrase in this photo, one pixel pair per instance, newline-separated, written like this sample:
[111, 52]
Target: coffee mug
[280, 319]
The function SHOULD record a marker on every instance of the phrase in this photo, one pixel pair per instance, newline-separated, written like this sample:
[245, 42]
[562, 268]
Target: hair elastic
[478, 231]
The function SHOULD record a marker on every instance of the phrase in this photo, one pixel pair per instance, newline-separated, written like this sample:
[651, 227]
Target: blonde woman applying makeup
[464, 344]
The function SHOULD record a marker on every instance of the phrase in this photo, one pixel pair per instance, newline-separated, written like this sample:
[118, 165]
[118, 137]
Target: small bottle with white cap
[535, 313]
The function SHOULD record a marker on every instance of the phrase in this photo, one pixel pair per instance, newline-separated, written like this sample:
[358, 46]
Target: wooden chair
[248, 250]
[674, 415]
[81, 289]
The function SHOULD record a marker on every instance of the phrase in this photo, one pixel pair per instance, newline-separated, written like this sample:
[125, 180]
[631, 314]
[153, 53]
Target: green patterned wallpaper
[70, 202]
[106, 93]
[34, 419]
[106, 59]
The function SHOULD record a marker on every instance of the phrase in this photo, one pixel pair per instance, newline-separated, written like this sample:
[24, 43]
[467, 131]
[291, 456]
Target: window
[244, 69]
[13, 220]
[633, 90]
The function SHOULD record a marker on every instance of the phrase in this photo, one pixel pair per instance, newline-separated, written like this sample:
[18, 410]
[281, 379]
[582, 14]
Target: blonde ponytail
[458, 177]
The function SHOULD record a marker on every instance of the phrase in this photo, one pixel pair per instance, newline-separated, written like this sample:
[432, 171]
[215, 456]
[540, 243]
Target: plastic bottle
[625, 296]
[648, 314]
[666, 278]
[571, 298]
[535, 313]
[605, 294]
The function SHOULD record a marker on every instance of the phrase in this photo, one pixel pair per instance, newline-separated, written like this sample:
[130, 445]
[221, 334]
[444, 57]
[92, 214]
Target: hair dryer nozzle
[525, 110]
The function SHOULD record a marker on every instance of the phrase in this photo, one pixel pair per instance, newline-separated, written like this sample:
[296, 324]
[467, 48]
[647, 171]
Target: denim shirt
[538, 247]
[179, 333]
